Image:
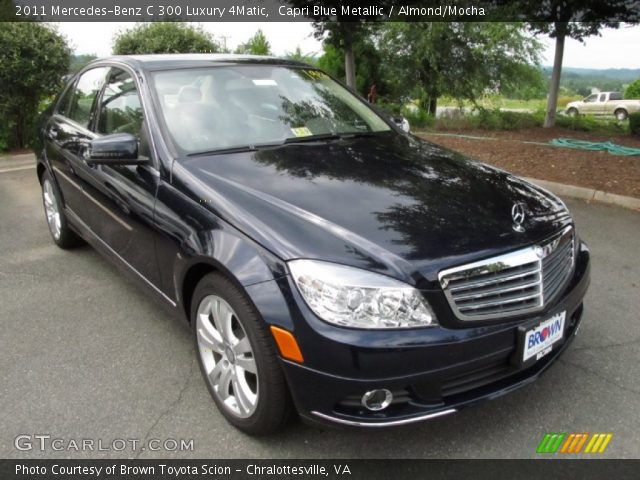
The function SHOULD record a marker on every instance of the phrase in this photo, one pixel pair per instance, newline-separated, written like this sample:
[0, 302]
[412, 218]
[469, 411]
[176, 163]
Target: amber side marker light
[287, 344]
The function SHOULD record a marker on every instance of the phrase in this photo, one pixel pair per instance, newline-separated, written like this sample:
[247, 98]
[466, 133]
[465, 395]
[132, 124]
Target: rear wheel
[621, 114]
[57, 222]
[237, 358]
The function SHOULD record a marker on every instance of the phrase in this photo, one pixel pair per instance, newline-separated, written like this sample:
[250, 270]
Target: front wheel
[237, 358]
[621, 114]
[572, 112]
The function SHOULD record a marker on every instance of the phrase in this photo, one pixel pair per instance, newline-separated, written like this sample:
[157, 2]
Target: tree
[343, 32]
[633, 90]
[79, 61]
[575, 19]
[367, 70]
[300, 56]
[164, 37]
[34, 57]
[460, 59]
[256, 45]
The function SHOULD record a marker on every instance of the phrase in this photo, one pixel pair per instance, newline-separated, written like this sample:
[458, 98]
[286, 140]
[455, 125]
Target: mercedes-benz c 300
[327, 262]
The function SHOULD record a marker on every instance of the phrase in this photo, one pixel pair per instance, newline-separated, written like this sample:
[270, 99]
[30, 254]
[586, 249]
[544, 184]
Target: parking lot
[85, 354]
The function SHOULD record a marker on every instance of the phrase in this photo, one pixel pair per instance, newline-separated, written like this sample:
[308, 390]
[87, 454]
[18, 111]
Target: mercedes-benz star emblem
[518, 214]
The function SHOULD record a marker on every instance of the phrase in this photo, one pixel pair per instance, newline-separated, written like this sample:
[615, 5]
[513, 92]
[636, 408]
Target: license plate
[539, 340]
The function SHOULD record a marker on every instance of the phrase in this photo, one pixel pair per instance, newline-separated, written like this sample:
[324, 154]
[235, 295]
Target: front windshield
[225, 107]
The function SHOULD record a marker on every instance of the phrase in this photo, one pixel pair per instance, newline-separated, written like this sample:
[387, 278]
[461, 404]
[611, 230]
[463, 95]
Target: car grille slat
[497, 291]
[496, 279]
[516, 283]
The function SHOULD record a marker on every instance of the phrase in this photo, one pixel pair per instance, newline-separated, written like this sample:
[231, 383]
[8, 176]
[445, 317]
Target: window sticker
[301, 132]
[314, 74]
[262, 82]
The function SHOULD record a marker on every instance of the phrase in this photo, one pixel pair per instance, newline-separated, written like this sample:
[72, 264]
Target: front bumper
[432, 372]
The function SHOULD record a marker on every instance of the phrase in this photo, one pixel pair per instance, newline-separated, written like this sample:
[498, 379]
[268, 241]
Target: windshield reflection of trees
[322, 113]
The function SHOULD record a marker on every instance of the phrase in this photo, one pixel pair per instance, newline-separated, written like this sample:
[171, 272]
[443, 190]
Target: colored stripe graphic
[598, 443]
[551, 442]
[573, 443]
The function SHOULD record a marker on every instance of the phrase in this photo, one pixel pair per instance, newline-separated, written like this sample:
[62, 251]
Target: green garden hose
[593, 146]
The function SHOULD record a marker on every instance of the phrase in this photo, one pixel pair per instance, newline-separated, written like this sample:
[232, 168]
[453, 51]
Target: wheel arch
[237, 259]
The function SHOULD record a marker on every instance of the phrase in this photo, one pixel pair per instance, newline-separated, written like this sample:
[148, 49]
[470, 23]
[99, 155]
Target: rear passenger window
[84, 95]
[603, 97]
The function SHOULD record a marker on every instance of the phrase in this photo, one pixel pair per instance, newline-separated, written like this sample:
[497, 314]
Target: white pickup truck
[604, 103]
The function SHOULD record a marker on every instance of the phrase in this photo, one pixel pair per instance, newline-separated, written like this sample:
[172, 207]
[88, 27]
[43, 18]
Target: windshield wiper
[238, 149]
[312, 138]
[286, 141]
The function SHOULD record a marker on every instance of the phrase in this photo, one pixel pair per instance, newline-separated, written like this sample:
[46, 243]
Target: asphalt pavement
[85, 354]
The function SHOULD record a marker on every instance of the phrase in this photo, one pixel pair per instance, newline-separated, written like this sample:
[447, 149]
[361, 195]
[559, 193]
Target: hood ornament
[518, 215]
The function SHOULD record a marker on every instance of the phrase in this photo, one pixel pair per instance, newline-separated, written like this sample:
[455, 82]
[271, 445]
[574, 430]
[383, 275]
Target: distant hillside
[582, 80]
[622, 74]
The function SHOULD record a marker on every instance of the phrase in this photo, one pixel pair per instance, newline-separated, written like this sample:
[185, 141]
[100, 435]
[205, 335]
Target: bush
[633, 90]
[563, 100]
[634, 124]
[490, 120]
[418, 118]
[585, 123]
[34, 57]
[164, 37]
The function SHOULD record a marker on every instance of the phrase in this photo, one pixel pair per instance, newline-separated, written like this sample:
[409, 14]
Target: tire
[621, 114]
[256, 403]
[57, 222]
[572, 112]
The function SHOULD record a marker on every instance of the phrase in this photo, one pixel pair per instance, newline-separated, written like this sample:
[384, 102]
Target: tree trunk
[349, 65]
[433, 106]
[554, 84]
[349, 60]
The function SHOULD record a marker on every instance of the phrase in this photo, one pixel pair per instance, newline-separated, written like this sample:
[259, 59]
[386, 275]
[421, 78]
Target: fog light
[377, 399]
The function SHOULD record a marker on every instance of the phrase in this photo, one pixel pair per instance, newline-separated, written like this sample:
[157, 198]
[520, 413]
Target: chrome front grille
[513, 284]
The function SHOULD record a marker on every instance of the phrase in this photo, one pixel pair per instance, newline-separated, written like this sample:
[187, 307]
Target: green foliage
[300, 56]
[34, 57]
[460, 59]
[256, 45]
[164, 37]
[493, 120]
[634, 124]
[417, 117]
[79, 61]
[633, 90]
[368, 66]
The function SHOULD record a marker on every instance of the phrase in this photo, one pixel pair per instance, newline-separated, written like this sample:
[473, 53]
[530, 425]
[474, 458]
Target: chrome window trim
[533, 256]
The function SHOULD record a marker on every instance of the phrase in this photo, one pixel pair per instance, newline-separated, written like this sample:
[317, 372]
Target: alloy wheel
[227, 356]
[51, 209]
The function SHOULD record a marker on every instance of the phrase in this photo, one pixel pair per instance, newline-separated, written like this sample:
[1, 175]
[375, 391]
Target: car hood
[389, 203]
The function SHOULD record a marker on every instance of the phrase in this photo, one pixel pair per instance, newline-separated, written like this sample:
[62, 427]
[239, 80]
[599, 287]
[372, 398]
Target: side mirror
[115, 149]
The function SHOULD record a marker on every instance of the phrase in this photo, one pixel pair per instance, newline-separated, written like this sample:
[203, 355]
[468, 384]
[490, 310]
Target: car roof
[194, 60]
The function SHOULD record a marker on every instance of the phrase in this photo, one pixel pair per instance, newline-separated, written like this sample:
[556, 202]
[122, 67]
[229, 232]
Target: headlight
[356, 298]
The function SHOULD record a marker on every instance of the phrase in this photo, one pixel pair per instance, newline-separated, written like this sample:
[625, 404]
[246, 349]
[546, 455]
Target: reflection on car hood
[388, 203]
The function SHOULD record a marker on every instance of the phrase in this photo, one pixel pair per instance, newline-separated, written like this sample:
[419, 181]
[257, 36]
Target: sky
[610, 50]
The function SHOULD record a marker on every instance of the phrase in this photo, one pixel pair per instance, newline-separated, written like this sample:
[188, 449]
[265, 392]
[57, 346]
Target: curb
[588, 194]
